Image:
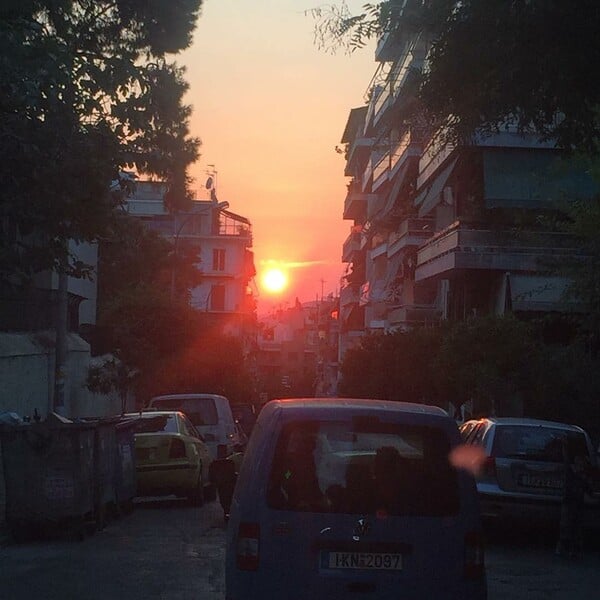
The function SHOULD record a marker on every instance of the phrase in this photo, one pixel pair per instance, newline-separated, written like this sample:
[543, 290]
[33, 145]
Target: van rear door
[368, 506]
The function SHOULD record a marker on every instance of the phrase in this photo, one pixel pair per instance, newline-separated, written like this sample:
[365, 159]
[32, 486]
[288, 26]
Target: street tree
[486, 361]
[140, 321]
[86, 90]
[490, 63]
[396, 366]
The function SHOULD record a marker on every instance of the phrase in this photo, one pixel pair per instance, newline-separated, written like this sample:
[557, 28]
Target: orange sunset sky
[270, 109]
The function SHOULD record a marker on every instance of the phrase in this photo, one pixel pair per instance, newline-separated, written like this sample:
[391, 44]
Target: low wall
[27, 377]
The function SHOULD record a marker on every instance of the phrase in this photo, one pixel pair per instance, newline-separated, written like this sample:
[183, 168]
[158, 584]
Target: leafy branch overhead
[529, 64]
[87, 90]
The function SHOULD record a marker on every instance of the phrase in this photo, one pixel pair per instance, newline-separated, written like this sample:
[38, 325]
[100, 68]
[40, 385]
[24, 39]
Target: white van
[211, 415]
[338, 498]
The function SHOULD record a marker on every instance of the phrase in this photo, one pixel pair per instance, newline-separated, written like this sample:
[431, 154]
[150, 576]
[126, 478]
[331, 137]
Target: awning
[399, 180]
[393, 266]
[356, 121]
[522, 178]
[430, 197]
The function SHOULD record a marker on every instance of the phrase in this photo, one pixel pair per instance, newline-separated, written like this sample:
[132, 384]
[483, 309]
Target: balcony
[375, 203]
[355, 204]
[388, 47]
[381, 171]
[231, 224]
[409, 145]
[351, 246]
[458, 248]
[349, 295]
[414, 314]
[411, 233]
[358, 154]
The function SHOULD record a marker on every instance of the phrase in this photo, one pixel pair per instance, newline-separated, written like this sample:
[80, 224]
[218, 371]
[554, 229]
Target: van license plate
[361, 560]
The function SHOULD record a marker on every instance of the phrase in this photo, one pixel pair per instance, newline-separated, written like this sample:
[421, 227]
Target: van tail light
[177, 449]
[474, 555]
[248, 543]
[489, 467]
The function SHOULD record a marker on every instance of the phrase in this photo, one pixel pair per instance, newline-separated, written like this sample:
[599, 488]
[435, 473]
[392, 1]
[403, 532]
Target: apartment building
[441, 231]
[223, 241]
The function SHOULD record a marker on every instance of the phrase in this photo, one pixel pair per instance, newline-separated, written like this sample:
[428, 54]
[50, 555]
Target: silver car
[523, 474]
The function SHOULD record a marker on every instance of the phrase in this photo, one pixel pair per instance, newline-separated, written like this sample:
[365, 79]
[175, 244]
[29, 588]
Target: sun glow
[274, 280]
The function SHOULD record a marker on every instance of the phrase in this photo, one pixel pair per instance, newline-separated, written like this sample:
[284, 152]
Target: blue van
[342, 498]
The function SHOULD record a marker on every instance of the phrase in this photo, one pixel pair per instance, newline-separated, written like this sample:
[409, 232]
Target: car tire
[197, 494]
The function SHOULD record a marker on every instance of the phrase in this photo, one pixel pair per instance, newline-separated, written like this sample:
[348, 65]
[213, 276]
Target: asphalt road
[168, 550]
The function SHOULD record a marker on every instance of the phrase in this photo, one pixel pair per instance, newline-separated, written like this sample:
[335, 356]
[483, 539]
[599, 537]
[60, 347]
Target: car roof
[186, 396]
[348, 404]
[525, 421]
[153, 413]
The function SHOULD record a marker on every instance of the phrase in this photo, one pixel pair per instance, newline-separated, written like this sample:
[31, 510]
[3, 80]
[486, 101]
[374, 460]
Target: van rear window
[200, 411]
[349, 467]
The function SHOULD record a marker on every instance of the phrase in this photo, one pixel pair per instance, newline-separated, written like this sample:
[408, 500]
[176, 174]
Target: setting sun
[274, 280]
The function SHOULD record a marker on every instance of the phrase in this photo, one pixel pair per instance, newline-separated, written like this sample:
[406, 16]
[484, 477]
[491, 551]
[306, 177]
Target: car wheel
[197, 494]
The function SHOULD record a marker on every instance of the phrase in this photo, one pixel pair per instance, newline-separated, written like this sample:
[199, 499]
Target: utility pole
[60, 348]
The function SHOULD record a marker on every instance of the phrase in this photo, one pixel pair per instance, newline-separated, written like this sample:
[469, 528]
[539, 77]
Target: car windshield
[346, 467]
[158, 423]
[536, 443]
[200, 411]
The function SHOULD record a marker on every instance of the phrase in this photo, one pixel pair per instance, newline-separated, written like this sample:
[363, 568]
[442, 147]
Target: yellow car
[171, 457]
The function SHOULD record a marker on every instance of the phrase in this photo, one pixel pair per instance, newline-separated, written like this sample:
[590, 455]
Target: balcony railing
[351, 246]
[355, 204]
[349, 294]
[411, 232]
[381, 171]
[459, 248]
[232, 224]
[413, 314]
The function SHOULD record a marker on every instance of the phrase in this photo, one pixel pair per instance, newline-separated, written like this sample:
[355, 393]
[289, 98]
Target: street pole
[60, 349]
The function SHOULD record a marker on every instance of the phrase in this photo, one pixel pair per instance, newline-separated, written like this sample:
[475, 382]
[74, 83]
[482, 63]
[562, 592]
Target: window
[356, 467]
[156, 423]
[201, 411]
[217, 297]
[536, 443]
[218, 259]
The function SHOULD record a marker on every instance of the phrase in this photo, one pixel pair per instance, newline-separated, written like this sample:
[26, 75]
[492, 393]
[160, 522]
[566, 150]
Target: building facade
[223, 242]
[442, 231]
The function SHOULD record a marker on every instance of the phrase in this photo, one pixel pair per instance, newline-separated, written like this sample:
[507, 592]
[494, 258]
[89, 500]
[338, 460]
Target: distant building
[297, 350]
[224, 242]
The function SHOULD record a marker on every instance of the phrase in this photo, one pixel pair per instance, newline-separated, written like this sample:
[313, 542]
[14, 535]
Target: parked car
[211, 415]
[340, 497]
[523, 470]
[171, 456]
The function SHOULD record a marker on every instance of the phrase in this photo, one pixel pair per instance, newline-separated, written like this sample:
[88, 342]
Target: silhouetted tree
[86, 90]
[395, 366]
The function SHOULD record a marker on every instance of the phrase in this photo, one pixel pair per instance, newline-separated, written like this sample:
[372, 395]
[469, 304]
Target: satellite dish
[209, 183]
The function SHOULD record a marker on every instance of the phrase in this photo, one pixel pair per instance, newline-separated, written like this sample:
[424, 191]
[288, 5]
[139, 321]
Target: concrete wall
[27, 377]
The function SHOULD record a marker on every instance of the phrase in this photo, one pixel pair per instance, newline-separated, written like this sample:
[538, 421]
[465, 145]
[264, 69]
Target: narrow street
[168, 550]
[164, 550]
